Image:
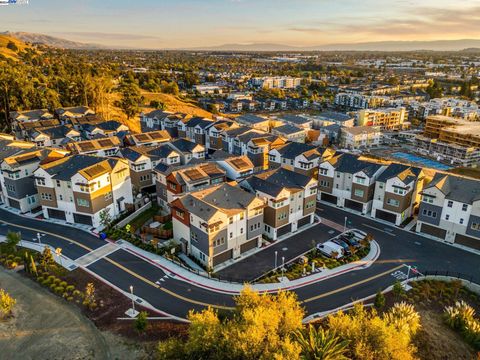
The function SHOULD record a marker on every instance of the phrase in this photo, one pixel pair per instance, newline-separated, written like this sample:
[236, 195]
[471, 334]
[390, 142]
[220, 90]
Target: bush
[70, 288]
[59, 290]
[379, 302]
[64, 284]
[461, 317]
[7, 304]
[141, 322]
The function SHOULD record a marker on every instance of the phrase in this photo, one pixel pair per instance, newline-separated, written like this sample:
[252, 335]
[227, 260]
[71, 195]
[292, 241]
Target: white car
[331, 249]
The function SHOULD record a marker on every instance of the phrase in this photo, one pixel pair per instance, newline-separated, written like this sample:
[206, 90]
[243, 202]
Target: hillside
[8, 53]
[52, 41]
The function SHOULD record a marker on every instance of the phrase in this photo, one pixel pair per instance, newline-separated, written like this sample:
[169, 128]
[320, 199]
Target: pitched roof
[251, 119]
[350, 164]
[89, 166]
[293, 149]
[456, 188]
[334, 116]
[404, 172]
[295, 119]
[184, 145]
[55, 132]
[288, 129]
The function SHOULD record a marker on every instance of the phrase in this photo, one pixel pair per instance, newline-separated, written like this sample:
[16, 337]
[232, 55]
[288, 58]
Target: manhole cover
[331, 232]
[284, 249]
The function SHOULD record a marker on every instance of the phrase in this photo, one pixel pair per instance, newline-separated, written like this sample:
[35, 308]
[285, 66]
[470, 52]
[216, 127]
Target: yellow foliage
[6, 304]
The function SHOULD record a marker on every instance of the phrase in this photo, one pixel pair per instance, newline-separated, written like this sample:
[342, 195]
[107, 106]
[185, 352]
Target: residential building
[236, 167]
[397, 193]
[174, 181]
[387, 119]
[291, 133]
[104, 129]
[327, 118]
[65, 115]
[278, 82]
[218, 224]
[213, 134]
[28, 116]
[360, 137]
[188, 150]
[346, 181]
[453, 140]
[291, 200]
[57, 136]
[352, 101]
[450, 210]
[194, 129]
[297, 157]
[254, 121]
[78, 188]
[101, 147]
[152, 138]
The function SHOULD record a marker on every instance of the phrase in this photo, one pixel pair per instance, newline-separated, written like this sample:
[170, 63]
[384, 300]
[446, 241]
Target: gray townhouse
[450, 210]
[298, 157]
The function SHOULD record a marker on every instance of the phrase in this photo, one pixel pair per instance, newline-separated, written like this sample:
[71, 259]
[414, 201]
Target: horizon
[188, 24]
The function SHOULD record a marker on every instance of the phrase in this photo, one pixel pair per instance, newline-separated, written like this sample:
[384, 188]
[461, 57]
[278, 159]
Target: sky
[160, 24]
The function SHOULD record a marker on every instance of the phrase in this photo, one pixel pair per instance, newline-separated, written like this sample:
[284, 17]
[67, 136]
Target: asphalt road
[177, 297]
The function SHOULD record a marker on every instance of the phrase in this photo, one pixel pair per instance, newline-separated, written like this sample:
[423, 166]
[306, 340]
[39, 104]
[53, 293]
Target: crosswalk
[332, 224]
[97, 254]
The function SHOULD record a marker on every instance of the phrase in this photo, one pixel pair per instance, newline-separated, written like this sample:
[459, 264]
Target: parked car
[350, 240]
[359, 233]
[331, 249]
[343, 244]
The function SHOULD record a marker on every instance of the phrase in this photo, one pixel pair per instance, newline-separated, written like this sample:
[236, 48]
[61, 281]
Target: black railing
[448, 273]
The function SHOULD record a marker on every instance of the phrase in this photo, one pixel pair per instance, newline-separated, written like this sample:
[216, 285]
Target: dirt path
[45, 327]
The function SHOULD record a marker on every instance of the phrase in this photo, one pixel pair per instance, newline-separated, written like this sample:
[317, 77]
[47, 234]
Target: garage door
[329, 198]
[304, 221]
[252, 244]
[82, 219]
[284, 230]
[467, 241]
[227, 255]
[14, 203]
[56, 214]
[433, 230]
[383, 215]
[354, 205]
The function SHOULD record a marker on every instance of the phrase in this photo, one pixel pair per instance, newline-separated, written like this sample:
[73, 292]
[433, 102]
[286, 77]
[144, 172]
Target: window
[447, 217]
[41, 181]
[10, 187]
[359, 192]
[428, 199]
[324, 183]
[231, 235]
[241, 230]
[230, 220]
[179, 213]
[429, 213]
[47, 197]
[83, 202]
[450, 203]
[380, 186]
[464, 207]
[58, 183]
[193, 236]
[31, 200]
[108, 195]
[475, 226]
[399, 191]
[323, 171]
[461, 221]
[219, 242]
[60, 197]
[313, 191]
[360, 180]
[393, 202]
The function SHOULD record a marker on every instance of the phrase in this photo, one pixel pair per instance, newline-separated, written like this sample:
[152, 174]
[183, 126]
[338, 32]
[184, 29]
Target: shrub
[70, 288]
[40, 279]
[141, 322]
[45, 282]
[52, 287]
[59, 290]
[461, 317]
[7, 304]
[69, 298]
[379, 302]
[63, 283]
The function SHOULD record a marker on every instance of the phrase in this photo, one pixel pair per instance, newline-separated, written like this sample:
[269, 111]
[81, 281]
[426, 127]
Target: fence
[470, 281]
[133, 215]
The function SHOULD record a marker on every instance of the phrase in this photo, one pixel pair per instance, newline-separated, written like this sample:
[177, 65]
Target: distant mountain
[437, 45]
[52, 41]
[472, 50]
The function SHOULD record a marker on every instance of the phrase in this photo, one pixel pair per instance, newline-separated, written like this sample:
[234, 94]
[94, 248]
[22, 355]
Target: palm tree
[321, 344]
[13, 238]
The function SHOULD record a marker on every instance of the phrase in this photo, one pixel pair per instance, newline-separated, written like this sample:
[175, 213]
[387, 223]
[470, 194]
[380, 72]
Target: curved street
[174, 296]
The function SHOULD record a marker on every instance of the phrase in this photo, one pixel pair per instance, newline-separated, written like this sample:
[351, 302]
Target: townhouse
[142, 161]
[161, 120]
[66, 115]
[101, 147]
[57, 136]
[397, 193]
[194, 129]
[303, 122]
[152, 138]
[290, 132]
[28, 116]
[24, 129]
[236, 167]
[327, 118]
[213, 133]
[188, 150]
[78, 188]
[254, 121]
[301, 158]
[346, 181]
[218, 224]
[173, 181]
[450, 210]
[290, 200]
[104, 129]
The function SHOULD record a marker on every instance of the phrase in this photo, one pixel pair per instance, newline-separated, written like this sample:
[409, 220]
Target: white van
[329, 248]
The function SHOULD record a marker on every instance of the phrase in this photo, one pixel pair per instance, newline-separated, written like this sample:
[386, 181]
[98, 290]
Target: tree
[105, 218]
[398, 289]
[131, 98]
[12, 46]
[13, 238]
[141, 322]
[157, 105]
[89, 299]
[7, 304]
[262, 327]
[320, 344]
[47, 258]
[379, 302]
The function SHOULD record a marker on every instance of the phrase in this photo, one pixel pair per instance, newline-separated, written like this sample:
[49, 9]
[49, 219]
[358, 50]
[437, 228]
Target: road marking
[383, 231]
[351, 285]
[399, 275]
[49, 233]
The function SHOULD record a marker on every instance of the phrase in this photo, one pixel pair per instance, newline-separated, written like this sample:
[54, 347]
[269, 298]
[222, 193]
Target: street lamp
[345, 225]
[276, 255]
[39, 238]
[283, 265]
[133, 301]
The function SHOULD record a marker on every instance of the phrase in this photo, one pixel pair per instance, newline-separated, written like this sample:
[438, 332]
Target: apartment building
[387, 119]
[218, 224]
[290, 200]
[278, 82]
[290, 132]
[19, 161]
[397, 193]
[78, 188]
[301, 158]
[173, 181]
[453, 140]
[450, 210]
[352, 101]
[360, 137]
[142, 160]
[101, 147]
[459, 108]
[346, 181]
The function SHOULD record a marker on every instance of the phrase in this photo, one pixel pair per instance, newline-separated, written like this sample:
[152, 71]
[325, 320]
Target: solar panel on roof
[95, 170]
[88, 146]
[156, 135]
[105, 143]
[194, 174]
[239, 163]
[142, 137]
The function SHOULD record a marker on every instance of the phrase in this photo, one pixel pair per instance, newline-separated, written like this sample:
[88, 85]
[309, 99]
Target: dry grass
[4, 40]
